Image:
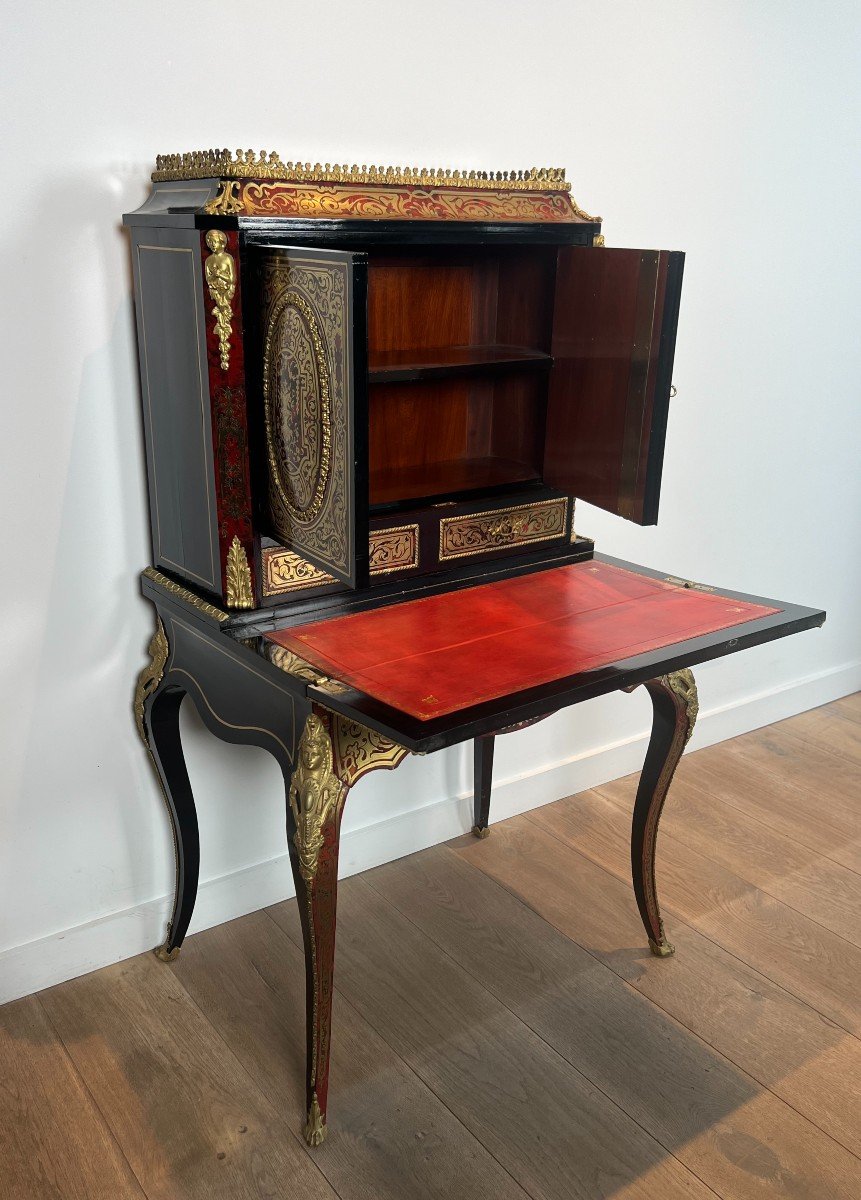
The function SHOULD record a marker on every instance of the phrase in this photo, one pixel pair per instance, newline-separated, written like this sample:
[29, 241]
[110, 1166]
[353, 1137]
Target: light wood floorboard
[500, 1029]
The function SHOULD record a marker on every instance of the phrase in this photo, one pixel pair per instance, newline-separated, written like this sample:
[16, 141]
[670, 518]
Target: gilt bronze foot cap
[165, 955]
[315, 1130]
[480, 832]
[662, 949]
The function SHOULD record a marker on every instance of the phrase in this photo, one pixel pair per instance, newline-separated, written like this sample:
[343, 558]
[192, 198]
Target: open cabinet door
[614, 335]
[313, 346]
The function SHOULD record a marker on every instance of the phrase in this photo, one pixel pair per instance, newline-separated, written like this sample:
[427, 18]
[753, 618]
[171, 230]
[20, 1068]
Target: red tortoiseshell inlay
[404, 203]
[448, 652]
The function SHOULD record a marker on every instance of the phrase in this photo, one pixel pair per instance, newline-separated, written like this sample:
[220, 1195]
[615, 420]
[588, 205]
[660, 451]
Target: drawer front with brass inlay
[394, 549]
[484, 532]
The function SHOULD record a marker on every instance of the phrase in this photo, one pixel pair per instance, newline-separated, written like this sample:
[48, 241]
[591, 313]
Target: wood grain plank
[187, 1117]
[812, 963]
[807, 881]
[791, 785]
[551, 1129]
[390, 1135]
[733, 1134]
[54, 1143]
[828, 729]
[810, 1063]
[849, 707]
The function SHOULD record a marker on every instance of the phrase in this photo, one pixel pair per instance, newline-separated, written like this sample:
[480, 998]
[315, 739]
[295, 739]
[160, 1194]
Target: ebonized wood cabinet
[371, 399]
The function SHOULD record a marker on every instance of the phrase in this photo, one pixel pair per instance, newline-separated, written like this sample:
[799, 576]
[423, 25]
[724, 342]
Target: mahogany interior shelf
[404, 366]
[444, 478]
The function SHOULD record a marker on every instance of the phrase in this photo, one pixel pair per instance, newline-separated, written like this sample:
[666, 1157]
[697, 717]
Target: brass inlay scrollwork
[359, 750]
[309, 457]
[485, 531]
[306, 404]
[394, 549]
[220, 271]
[286, 571]
[240, 592]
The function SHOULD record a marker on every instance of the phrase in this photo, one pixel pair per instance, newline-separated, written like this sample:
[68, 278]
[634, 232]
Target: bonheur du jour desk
[370, 399]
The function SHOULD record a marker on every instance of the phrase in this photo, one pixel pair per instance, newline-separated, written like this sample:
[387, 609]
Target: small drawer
[465, 536]
[395, 548]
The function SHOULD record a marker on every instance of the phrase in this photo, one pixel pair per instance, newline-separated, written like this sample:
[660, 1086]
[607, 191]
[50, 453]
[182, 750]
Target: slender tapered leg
[483, 783]
[333, 754]
[157, 715]
[675, 707]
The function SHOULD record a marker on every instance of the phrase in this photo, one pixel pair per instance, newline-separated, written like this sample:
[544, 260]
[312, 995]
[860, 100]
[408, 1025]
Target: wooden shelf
[406, 366]
[432, 480]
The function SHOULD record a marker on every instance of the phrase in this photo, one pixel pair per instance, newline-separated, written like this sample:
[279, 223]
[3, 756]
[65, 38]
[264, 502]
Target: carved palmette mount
[240, 593]
[227, 203]
[150, 677]
[220, 272]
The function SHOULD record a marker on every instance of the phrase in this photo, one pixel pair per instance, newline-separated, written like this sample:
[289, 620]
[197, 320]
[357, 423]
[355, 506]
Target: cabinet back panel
[457, 297]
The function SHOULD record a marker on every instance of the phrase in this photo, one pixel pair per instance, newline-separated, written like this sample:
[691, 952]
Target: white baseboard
[83, 948]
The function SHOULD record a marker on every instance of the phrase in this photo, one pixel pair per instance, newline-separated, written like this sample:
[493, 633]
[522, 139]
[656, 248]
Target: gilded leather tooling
[486, 531]
[306, 405]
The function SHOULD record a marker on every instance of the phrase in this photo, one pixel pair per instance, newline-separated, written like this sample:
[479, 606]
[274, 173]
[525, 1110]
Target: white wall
[727, 129]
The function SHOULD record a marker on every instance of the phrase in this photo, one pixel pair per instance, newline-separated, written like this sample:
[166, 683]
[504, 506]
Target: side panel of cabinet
[614, 335]
[171, 321]
[312, 369]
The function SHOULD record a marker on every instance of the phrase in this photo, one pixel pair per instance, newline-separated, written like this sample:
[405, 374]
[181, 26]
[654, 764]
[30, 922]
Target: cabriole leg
[333, 754]
[157, 716]
[675, 707]
[482, 783]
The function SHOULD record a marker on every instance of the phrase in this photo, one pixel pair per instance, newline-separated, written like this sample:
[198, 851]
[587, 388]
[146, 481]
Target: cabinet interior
[458, 366]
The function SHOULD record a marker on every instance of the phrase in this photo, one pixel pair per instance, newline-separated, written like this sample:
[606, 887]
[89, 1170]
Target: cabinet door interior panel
[614, 331]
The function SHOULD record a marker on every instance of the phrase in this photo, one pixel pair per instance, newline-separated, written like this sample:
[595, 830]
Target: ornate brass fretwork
[227, 203]
[245, 164]
[220, 270]
[176, 589]
[240, 593]
[150, 677]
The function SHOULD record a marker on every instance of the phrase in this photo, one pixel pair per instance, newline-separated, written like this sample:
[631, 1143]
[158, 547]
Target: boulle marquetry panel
[307, 405]
[521, 525]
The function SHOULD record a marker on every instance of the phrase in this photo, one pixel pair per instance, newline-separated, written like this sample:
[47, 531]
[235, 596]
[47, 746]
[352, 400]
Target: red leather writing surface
[443, 653]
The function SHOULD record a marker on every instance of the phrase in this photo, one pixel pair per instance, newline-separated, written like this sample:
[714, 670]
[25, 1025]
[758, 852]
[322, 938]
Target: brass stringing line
[229, 724]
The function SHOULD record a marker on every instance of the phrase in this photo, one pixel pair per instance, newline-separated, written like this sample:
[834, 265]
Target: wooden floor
[500, 1030]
